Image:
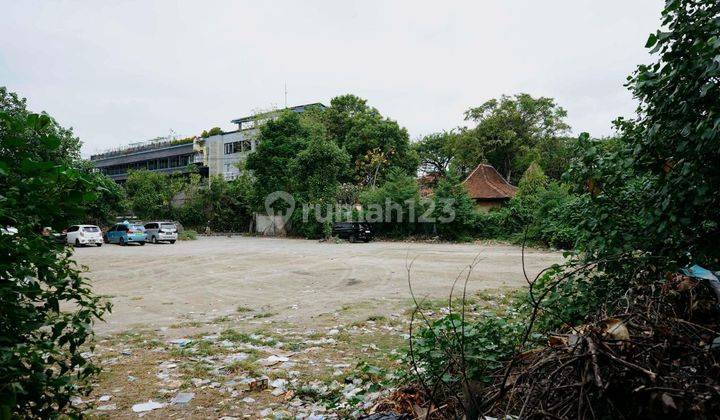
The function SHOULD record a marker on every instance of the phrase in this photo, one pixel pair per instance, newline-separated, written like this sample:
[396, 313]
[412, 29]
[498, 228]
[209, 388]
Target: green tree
[67, 152]
[435, 152]
[394, 207]
[150, 193]
[225, 207]
[41, 362]
[664, 177]
[279, 141]
[375, 143]
[317, 170]
[508, 128]
[454, 212]
[110, 201]
[533, 181]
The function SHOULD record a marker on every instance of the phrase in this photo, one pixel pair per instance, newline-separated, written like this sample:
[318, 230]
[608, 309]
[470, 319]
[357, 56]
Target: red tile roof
[485, 183]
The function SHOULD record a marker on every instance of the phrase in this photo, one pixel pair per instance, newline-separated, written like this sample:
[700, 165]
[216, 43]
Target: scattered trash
[148, 406]
[131, 378]
[386, 416]
[236, 357]
[108, 407]
[199, 382]
[278, 383]
[182, 398]
[248, 400]
[126, 352]
[273, 360]
[182, 342]
[702, 273]
[104, 398]
[615, 329]
[259, 384]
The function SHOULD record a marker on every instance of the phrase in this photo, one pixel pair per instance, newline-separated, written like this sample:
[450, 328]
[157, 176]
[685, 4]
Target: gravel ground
[295, 281]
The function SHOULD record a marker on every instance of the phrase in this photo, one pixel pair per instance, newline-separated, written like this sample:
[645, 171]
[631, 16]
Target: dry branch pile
[657, 358]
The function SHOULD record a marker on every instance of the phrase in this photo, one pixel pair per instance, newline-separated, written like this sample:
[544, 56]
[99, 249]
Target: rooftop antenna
[285, 94]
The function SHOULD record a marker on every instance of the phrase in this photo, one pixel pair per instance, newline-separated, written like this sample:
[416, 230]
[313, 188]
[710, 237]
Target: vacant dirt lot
[286, 280]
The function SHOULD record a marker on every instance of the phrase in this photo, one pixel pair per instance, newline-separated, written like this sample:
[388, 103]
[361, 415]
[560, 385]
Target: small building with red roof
[488, 188]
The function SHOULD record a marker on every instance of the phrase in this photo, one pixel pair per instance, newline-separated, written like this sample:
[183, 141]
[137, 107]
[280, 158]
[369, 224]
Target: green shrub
[486, 345]
[187, 235]
[48, 307]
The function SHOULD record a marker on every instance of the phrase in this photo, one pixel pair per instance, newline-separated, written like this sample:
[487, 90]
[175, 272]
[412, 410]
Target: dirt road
[288, 280]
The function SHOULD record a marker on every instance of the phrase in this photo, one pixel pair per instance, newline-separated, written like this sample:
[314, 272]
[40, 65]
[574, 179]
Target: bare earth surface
[247, 327]
[290, 280]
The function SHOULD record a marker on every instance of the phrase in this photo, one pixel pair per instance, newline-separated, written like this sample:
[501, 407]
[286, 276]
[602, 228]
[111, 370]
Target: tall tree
[317, 170]
[374, 143]
[435, 152]
[509, 127]
[280, 140]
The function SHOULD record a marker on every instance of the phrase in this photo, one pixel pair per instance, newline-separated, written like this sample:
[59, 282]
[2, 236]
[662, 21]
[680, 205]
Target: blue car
[125, 233]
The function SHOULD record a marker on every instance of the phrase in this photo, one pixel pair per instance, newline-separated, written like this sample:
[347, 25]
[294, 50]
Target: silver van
[161, 231]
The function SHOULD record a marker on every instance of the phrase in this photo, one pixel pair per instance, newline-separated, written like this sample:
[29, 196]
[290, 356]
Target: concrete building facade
[217, 155]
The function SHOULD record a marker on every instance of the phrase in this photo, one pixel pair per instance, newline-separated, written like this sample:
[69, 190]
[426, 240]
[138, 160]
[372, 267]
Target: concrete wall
[217, 161]
[486, 205]
[269, 225]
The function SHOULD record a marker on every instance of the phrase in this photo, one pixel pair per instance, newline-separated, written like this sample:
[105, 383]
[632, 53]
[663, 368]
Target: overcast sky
[134, 70]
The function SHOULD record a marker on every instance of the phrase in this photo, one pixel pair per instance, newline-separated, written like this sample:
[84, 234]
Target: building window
[246, 145]
[229, 148]
[174, 161]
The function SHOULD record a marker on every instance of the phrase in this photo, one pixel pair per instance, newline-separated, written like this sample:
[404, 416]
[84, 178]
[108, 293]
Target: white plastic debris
[183, 398]
[182, 342]
[273, 360]
[148, 406]
[279, 383]
[104, 398]
[108, 407]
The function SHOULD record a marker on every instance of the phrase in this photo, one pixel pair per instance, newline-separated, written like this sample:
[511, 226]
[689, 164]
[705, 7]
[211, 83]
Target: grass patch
[187, 235]
[240, 337]
[247, 366]
[265, 314]
[242, 309]
[220, 319]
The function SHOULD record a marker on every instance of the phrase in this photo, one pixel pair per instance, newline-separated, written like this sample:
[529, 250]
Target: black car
[352, 231]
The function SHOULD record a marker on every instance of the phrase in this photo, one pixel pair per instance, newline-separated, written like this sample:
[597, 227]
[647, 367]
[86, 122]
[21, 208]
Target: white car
[84, 235]
[161, 231]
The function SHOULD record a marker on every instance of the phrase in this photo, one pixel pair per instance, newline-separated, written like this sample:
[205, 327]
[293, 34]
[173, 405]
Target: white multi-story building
[219, 154]
[223, 153]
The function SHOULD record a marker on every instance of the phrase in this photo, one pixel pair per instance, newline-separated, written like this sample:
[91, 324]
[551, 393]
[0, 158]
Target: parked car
[161, 231]
[125, 233]
[83, 235]
[353, 231]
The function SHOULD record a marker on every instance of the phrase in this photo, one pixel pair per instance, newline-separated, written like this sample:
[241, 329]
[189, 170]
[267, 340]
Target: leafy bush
[398, 200]
[453, 202]
[486, 344]
[187, 235]
[41, 362]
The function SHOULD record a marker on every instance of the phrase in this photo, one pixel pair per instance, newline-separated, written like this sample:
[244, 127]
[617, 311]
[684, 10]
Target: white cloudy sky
[136, 69]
